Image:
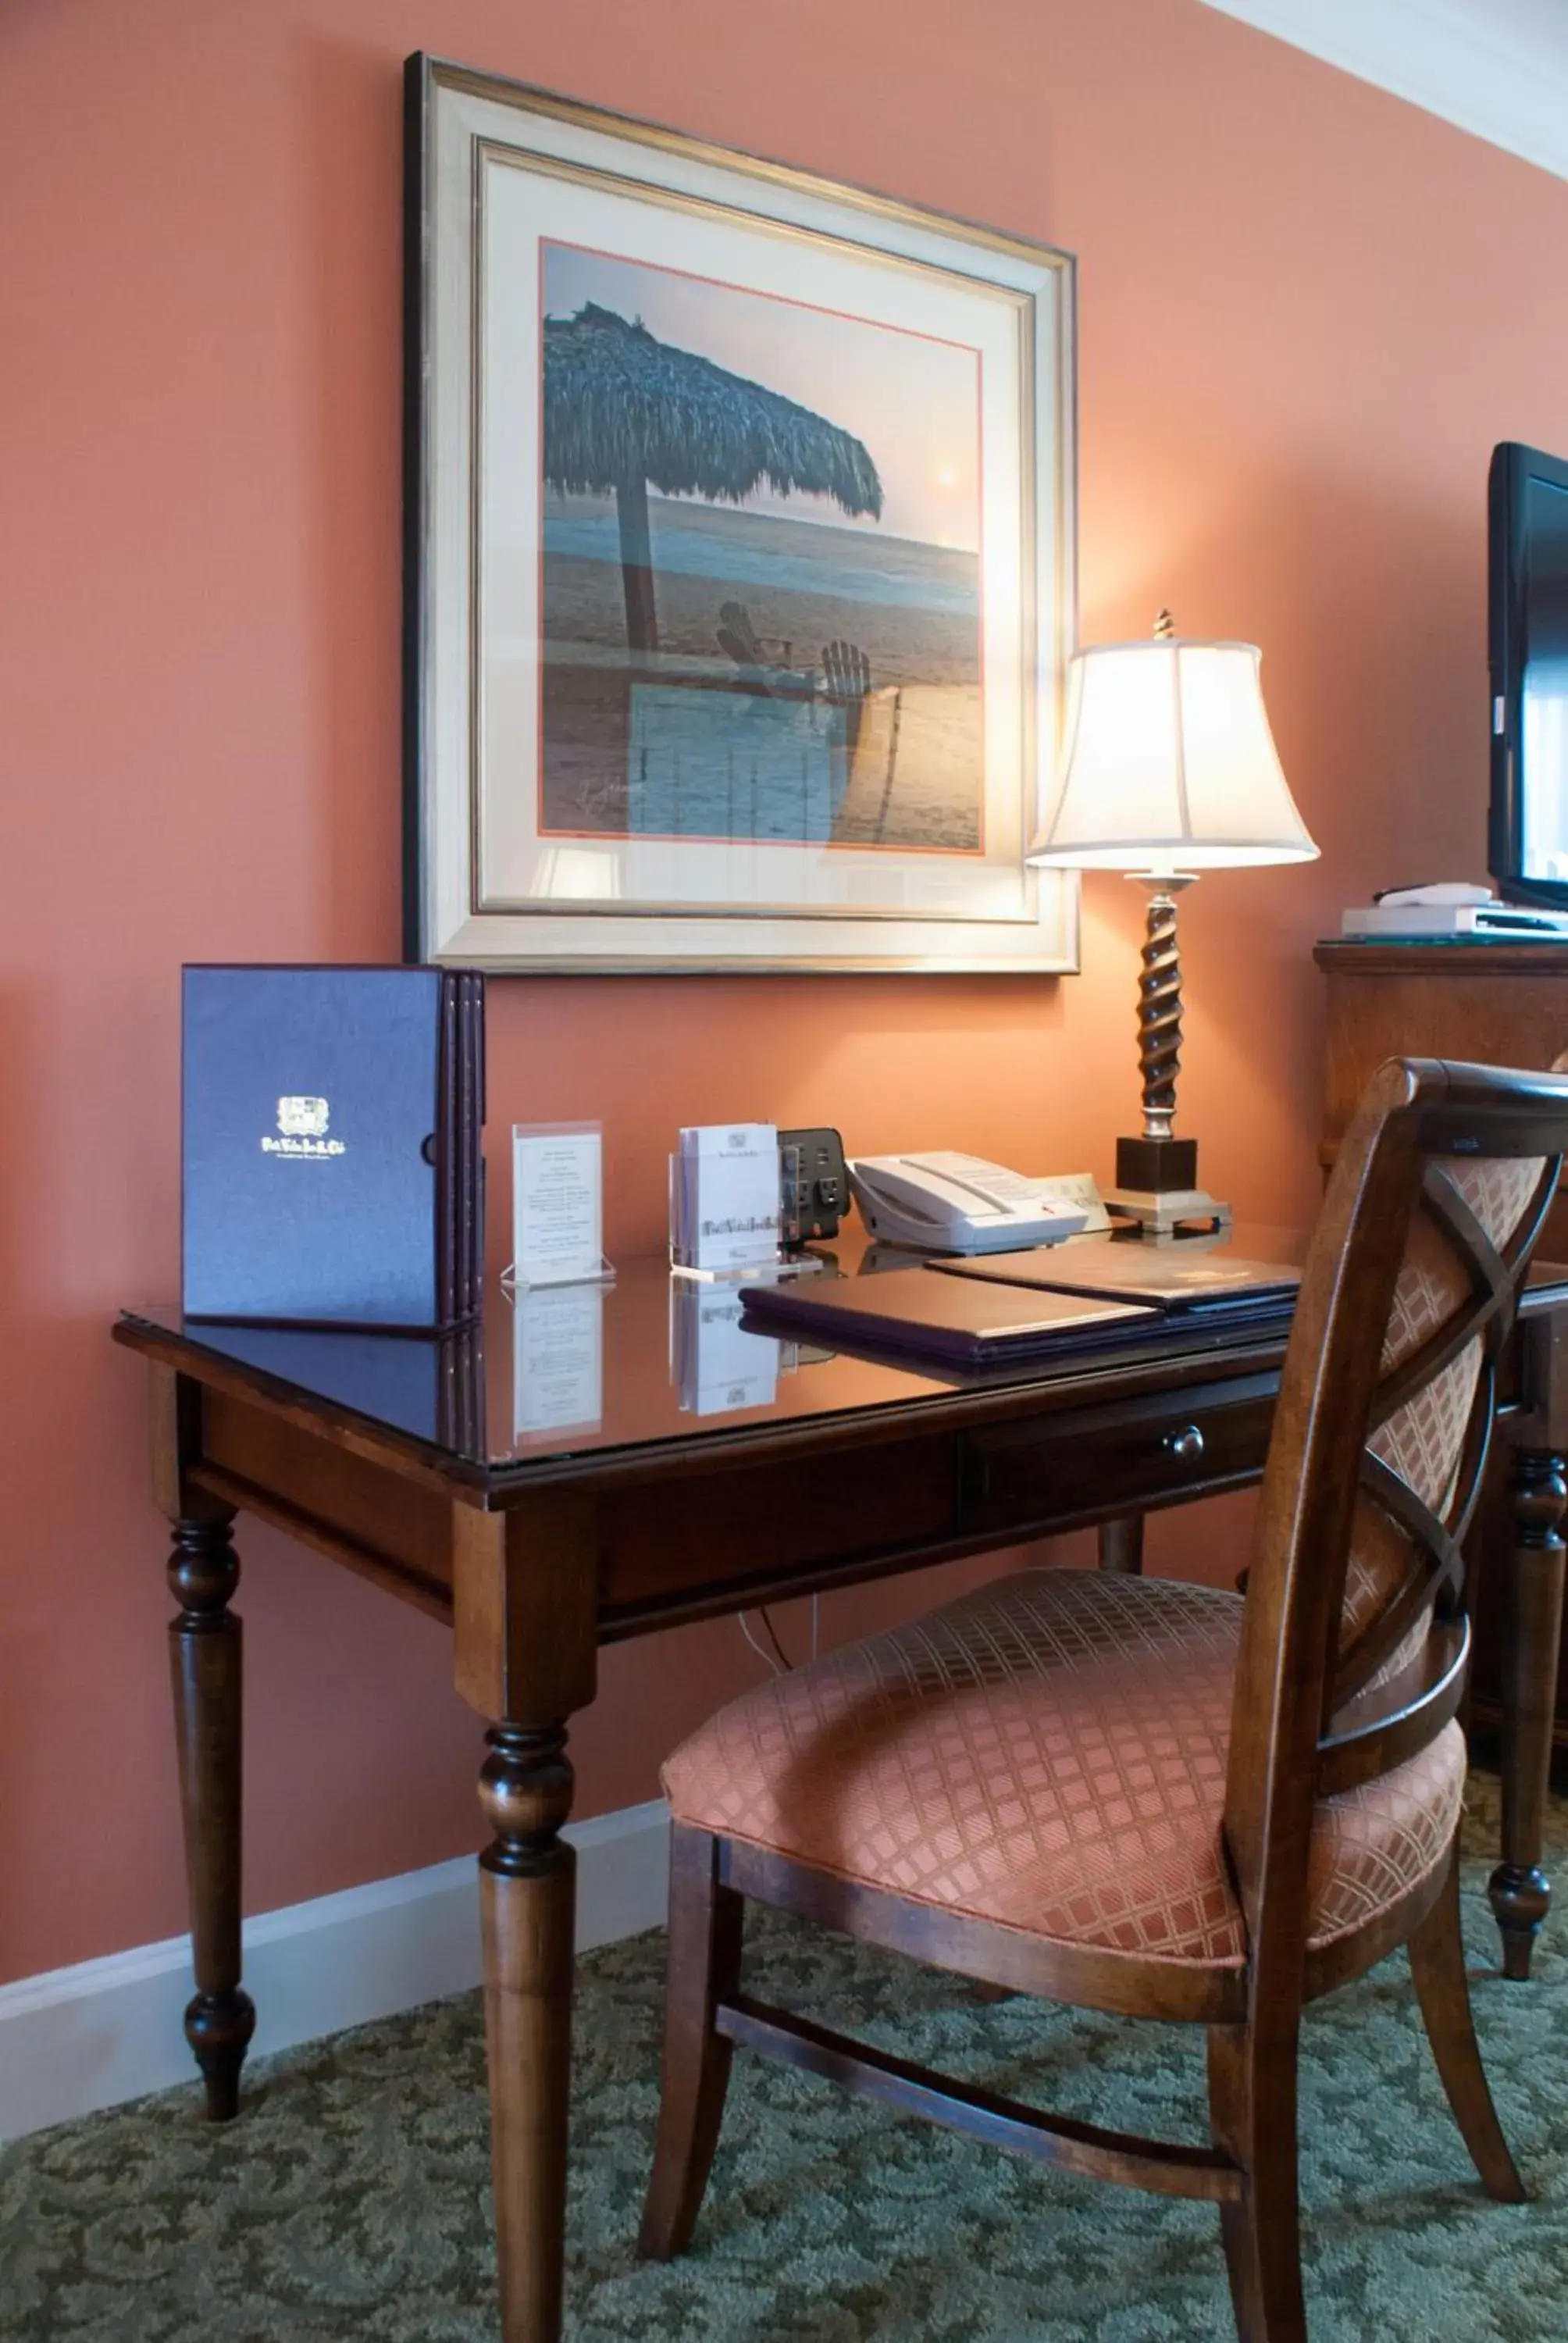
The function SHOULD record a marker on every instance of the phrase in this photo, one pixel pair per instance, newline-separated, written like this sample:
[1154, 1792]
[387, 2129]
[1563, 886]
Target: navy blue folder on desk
[331, 1167]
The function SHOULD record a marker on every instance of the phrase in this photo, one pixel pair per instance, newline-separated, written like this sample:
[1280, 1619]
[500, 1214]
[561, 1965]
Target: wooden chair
[1159, 1799]
[847, 682]
[871, 715]
[759, 671]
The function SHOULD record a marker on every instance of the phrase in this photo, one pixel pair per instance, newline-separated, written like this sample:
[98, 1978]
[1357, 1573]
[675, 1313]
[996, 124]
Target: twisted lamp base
[1157, 1173]
[1156, 1162]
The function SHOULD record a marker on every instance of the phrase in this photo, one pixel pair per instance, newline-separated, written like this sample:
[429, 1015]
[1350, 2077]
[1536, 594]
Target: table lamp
[1170, 769]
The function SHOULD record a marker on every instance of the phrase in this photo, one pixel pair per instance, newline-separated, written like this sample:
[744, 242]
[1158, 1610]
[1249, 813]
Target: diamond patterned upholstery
[1049, 1753]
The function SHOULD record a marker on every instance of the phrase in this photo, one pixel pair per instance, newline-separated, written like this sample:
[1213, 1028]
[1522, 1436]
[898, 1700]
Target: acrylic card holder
[724, 1205]
[558, 1205]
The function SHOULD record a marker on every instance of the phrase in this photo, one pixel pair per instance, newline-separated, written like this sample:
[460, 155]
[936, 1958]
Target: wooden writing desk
[541, 1511]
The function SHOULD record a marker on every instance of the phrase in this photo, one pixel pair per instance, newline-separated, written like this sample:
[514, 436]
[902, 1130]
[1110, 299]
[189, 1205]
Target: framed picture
[738, 545]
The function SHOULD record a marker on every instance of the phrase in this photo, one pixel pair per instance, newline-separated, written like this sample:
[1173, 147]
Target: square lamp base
[1168, 1212]
[1151, 1166]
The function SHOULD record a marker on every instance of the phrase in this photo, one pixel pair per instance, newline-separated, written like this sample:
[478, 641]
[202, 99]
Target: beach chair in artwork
[877, 751]
[758, 670]
[871, 715]
[846, 680]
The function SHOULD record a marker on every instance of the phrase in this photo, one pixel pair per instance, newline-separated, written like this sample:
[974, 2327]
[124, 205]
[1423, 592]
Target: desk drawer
[1095, 1463]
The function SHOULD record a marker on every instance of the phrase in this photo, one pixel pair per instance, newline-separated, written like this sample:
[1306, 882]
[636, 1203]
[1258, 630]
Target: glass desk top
[562, 1372]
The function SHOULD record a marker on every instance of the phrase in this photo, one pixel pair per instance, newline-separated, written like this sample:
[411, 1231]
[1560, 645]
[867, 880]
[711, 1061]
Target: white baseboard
[77, 2040]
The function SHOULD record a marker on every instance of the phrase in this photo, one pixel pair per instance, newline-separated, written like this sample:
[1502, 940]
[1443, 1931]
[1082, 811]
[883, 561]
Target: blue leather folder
[331, 1156]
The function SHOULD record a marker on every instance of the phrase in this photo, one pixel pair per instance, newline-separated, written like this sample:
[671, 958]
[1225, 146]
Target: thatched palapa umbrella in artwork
[624, 410]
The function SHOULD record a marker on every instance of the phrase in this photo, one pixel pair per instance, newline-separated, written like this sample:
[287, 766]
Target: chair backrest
[1354, 1642]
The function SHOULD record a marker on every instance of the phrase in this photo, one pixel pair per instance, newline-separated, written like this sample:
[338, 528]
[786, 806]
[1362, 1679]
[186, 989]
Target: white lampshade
[1169, 764]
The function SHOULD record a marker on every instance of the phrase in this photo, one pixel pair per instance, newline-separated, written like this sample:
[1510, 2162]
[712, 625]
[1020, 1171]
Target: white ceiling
[1496, 67]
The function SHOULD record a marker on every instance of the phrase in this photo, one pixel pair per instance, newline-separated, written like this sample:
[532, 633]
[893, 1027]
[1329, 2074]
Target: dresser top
[1440, 956]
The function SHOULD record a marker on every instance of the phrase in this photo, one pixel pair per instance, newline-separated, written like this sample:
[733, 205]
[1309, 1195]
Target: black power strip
[813, 1185]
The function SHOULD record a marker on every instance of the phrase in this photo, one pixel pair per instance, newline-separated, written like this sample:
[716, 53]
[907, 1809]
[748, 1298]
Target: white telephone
[959, 1204]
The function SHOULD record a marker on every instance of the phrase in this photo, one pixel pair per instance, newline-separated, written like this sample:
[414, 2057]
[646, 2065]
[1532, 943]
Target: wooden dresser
[1504, 1004]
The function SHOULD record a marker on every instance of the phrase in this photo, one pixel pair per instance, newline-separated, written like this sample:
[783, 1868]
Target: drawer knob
[1186, 1445]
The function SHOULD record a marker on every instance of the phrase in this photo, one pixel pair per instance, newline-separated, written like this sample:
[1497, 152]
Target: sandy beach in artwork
[694, 755]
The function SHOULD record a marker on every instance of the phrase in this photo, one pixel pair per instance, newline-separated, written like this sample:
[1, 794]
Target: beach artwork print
[739, 578]
[761, 565]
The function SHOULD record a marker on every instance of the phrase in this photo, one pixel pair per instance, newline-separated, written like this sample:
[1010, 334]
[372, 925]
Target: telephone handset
[950, 1202]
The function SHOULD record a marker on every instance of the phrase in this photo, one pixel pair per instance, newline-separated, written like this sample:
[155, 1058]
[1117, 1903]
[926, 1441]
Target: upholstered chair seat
[1048, 1754]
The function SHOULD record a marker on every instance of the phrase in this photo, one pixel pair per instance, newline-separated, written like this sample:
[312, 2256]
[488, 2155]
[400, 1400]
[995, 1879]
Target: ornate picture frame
[738, 557]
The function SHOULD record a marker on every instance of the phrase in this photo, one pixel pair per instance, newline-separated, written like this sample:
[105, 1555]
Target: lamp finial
[1164, 626]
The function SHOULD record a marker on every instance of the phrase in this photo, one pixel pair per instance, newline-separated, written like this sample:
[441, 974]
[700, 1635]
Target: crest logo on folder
[303, 1118]
[302, 1125]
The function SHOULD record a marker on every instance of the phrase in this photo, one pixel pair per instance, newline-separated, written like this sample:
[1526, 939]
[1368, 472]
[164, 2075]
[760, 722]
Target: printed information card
[557, 1202]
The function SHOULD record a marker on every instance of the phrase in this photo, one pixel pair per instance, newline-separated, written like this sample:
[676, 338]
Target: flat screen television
[1527, 842]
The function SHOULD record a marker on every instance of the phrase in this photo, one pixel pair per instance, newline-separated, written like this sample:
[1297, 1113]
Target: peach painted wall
[1307, 312]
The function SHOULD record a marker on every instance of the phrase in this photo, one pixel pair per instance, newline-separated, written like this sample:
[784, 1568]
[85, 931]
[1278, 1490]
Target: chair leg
[1252, 2109]
[705, 1928]
[1437, 1964]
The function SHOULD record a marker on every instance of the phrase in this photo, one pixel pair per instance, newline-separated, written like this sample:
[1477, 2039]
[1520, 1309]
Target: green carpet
[351, 2199]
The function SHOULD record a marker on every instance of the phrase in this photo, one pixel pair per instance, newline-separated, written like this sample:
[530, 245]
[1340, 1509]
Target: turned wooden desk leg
[1122, 1544]
[204, 1655]
[527, 1905]
[1520, 1891]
